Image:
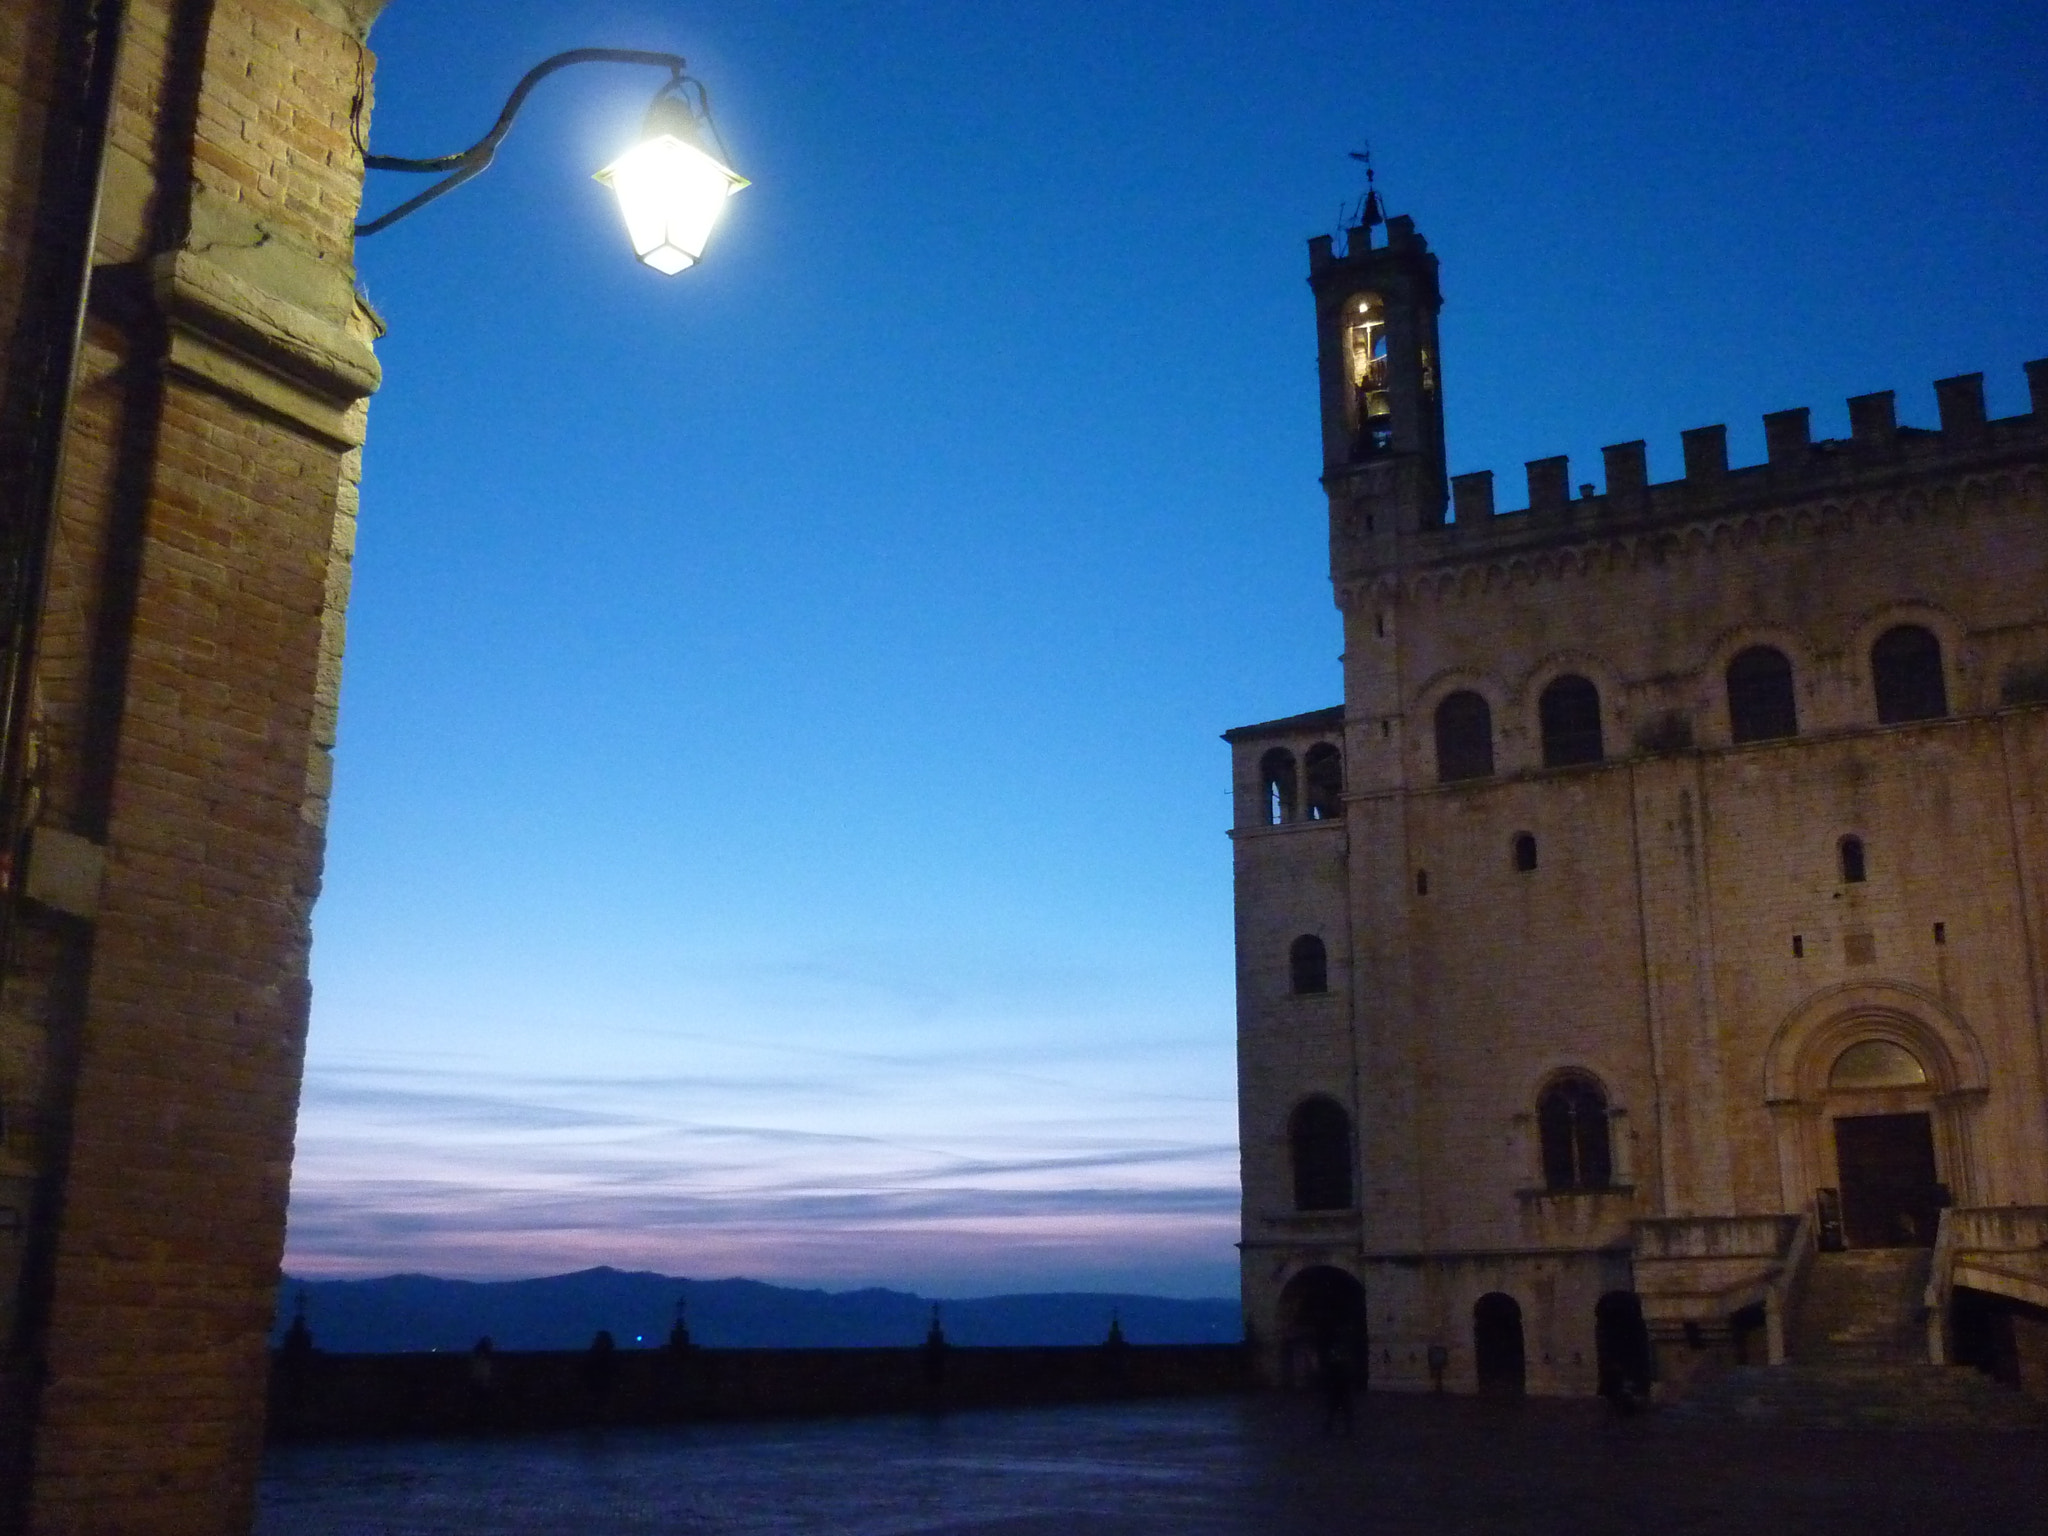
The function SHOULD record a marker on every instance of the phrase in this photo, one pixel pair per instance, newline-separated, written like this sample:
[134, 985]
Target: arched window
[1760, 702]
[1322, 772]
[1308, 965]
[1571, 1121]
[1569, 712]
[1276, 785]
[1464, 737]
[1319, 1140]
[1525, 851]
[1853, 869]
[1905, 673]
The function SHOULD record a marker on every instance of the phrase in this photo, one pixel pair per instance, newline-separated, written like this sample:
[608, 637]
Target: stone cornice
[248, 342]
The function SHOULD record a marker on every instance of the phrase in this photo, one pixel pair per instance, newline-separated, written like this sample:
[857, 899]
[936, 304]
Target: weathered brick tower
[1654, 944]
[177, 483]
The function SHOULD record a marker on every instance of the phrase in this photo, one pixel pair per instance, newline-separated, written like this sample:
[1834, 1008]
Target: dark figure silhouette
[1333, 1378]
[482, 1373]
[601, 1368]
[935, 1353]
[1439, 1362]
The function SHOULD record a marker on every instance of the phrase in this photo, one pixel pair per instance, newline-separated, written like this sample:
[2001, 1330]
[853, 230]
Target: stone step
[1863, 1307]
[1862, 1396]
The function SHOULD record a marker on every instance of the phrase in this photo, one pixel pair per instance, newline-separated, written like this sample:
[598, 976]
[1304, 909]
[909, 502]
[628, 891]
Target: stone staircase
[1863, 1308]
[1859, 1361]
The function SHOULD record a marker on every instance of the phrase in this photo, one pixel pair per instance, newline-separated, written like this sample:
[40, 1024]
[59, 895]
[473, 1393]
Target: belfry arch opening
[1372, 401]
[1278, 786]
[1322, 772]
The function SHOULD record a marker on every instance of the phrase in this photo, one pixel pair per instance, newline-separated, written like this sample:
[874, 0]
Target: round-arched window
[1876, 1064]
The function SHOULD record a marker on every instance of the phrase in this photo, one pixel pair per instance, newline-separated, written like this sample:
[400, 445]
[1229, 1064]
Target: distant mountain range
[400, 1313]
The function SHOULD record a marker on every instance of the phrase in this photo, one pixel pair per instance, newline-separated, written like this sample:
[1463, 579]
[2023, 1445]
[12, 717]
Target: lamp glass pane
[670, 195]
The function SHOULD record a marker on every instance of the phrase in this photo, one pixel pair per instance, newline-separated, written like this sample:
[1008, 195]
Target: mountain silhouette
[402, 1313]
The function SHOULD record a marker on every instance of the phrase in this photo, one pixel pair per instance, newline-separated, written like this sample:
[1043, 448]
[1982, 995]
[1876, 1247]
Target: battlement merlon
[1796, 468]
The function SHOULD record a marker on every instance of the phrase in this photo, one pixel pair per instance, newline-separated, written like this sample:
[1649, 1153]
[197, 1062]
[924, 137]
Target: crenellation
[1549, 484]
[1472, 496]
[1878, 450]
[1788, 436]
[1874, 421]
[1628, 477]
[1706, 453]
[1960, 401]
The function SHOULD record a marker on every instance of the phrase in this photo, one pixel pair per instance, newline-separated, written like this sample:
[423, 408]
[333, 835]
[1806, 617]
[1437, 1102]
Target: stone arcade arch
[1809, 1097]
[1498, 1358]
[1621, 1343]
[1322, 1311]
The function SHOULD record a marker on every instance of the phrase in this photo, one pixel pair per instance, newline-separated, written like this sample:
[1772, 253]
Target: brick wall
[153, 1022]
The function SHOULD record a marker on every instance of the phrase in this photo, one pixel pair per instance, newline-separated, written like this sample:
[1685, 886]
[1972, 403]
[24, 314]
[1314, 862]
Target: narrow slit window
[1422, 882]
[1525, 851]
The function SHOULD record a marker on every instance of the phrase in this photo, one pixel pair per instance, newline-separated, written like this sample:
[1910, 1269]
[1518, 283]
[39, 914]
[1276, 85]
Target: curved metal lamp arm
[474, 159]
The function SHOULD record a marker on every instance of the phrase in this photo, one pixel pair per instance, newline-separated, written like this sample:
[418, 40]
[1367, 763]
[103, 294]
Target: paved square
[1213, 1467]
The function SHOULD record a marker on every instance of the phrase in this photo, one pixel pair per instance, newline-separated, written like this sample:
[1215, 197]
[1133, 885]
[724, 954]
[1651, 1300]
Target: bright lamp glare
[671, 193]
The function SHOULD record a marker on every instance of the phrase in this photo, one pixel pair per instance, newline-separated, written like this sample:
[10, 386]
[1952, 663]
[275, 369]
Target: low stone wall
[318, 1396]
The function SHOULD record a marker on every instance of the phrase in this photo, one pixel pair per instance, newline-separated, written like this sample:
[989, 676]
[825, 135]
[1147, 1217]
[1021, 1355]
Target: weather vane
[1369, 210]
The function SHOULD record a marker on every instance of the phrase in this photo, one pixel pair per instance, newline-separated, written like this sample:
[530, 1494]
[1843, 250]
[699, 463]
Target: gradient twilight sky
[779, 820]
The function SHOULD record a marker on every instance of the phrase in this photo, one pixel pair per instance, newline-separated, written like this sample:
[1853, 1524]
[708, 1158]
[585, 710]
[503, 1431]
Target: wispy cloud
[865, 1165]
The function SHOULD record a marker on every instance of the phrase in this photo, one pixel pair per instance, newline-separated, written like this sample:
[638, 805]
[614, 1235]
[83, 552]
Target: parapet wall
[1877, 450]
[323, 1396]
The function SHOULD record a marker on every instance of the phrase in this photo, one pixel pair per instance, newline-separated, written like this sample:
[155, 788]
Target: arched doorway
[1621, 1345]
[1322, 1314]
[1875, 1090]
[1884, 1146]
[1497, 1344]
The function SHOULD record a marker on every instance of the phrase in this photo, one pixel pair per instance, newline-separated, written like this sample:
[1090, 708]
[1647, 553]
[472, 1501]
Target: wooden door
[1890, 1194]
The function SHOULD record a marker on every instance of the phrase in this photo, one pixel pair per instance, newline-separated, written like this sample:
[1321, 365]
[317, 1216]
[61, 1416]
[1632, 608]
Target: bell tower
[1382, 392]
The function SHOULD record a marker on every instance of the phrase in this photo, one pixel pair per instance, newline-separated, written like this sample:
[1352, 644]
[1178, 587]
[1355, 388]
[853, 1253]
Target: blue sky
[778, 824]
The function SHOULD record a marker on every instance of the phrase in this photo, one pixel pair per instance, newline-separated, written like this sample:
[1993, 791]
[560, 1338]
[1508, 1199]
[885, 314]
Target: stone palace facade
[1661, 922]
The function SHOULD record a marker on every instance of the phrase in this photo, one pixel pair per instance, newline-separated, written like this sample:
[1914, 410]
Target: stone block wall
[1688, 935]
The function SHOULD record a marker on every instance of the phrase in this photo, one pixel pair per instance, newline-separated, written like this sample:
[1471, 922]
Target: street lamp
[671, 186]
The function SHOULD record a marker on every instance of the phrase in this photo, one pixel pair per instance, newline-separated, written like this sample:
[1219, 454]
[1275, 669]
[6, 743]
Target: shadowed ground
[1214, 1467]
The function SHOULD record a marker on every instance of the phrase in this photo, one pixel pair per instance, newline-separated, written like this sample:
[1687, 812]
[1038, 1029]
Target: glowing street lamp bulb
[671, 194]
